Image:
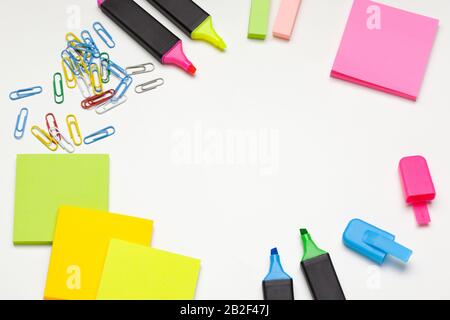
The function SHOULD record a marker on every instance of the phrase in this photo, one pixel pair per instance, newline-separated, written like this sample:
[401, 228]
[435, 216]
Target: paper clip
[25, 93]
[58, 91]
[117, 71]
[71, 82]
[70, 62]
[151, 85]
[72, 123]
[52, 123]
[104, 71]
[72, 37]
[61, 140]
[104, 35]
[140, 69]
[122, 88]
[21, 124]
[87, 38]
[109, 105]
[84, 86]
[99, 135]
[44, 138]
[98, 99]
[96, 80]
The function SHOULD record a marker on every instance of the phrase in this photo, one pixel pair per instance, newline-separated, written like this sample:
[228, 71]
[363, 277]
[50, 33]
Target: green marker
[259, 19]
[319, 271]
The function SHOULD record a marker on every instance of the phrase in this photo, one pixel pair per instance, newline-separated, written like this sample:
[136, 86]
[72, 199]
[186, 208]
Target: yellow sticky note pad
[135, 272]
[80, 246]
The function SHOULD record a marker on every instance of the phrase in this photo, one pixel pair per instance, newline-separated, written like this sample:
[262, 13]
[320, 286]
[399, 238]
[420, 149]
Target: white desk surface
[317, 151]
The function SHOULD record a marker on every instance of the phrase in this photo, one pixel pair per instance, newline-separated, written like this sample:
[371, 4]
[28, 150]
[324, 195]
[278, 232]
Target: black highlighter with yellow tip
[191, 19]
[319, 271]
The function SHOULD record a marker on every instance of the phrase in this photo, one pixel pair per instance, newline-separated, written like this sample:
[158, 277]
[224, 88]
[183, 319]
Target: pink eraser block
[418, 187]
[385, 48]
[287, 15]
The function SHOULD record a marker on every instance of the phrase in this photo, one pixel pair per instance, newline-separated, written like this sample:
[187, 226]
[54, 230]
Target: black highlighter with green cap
[319, 271]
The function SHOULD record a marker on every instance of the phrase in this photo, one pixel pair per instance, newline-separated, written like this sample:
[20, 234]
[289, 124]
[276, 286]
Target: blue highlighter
[277, 285]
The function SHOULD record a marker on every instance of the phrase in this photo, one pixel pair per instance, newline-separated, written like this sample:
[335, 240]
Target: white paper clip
[151, 85]
[84, 86]
[109, 105]
[140, 69]
[61, 140]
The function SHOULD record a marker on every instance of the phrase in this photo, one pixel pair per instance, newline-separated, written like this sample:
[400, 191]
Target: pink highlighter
[418, 187]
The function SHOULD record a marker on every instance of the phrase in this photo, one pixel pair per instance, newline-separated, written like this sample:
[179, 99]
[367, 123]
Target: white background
[326, 151]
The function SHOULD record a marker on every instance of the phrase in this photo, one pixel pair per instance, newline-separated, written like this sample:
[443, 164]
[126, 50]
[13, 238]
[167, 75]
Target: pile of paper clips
[86, 67]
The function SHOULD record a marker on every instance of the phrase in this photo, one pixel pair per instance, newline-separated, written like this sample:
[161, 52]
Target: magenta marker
[148, 32]
[418, 187]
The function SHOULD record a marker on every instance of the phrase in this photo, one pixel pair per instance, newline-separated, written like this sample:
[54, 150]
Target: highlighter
[191, 19]
[148, 32]
[319, 271]
[277, 285]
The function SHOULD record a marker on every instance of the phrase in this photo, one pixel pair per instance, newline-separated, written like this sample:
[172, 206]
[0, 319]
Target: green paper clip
[58, 89]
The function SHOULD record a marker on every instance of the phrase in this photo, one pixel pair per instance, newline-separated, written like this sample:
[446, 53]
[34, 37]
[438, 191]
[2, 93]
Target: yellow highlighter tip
[205, 31]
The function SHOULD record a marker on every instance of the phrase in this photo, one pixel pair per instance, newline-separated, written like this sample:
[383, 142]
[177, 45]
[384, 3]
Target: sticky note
[385, 48]
[135, 272]
[259, 19]
[81, 242]
[286, 18]
[45, 182]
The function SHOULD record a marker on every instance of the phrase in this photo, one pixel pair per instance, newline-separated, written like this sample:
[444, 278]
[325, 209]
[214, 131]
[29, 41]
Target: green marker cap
[311, 250]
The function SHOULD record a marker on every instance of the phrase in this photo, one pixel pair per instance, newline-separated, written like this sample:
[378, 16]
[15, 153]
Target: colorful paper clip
[50, 120]
[70, 62]
[140, 69]
[84, 85]
[109, 105]
[87, 38]
[58, 88]
[25, 93]
[71, 81]
[72, 37]
[117, 71]
[61, 140]
[104, 71]
[72, 123]
[21, 124]
[98, 99]
[96, 79]
[100, 135]
[104, 35]
[44, 138]
[122, 88]
[151, 85]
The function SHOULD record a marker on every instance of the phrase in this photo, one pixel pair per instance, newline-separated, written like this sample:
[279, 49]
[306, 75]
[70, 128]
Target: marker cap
[373, 243]
[418, 187]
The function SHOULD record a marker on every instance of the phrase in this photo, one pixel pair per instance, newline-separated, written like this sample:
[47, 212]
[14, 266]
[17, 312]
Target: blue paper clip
[117, 71]
[25, 93]
[104, 35]
[21, 124]
[70, 62]
[99, 135]
[87, 38]
[122, 88]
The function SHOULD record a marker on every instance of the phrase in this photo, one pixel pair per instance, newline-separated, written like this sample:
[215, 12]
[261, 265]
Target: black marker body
[141, 26]
[278, 290]
[184, 13]
[322, 278]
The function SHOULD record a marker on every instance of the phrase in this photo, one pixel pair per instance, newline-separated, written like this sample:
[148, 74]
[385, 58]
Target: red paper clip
[98, 99]
[52, 123]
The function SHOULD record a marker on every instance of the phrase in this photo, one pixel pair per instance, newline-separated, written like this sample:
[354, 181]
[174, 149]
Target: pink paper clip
[418, 187]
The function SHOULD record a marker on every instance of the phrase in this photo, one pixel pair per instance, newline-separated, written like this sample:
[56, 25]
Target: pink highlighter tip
[176, 56]
[192, 69]
[100, 2]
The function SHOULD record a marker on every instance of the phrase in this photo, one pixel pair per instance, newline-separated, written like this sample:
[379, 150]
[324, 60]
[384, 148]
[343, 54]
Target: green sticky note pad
[46, 182]
[136, 272]
[259, 19]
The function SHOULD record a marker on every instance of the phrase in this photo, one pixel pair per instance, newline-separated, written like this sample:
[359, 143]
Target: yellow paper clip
[71, 82]
[72, 123]
[72, 37]
[96, 78]
[44, 138]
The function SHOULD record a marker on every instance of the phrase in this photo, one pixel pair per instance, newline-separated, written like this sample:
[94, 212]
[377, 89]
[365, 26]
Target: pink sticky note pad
[385, 48]
[286, 18]
[418, 187]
